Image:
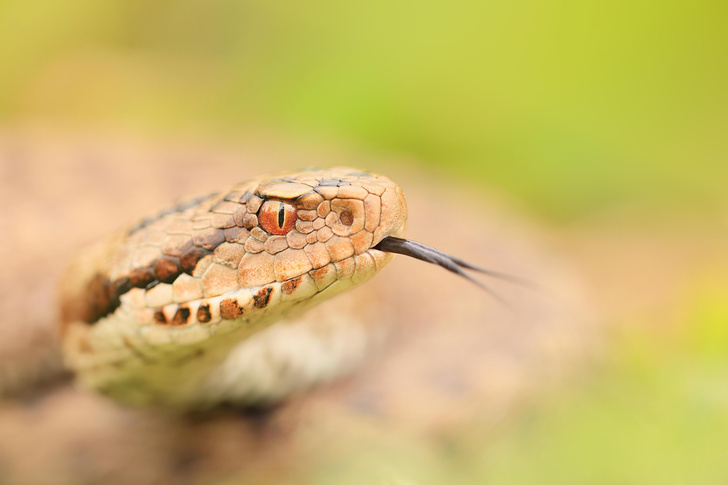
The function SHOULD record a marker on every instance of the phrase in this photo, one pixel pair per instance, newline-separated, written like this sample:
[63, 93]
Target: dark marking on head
[191, 257]
[230, 309]
[291, 285]
[103, 297]
[99, 299]
[203, 313]
[182, 316]
[141, 277]
[329, 183]
[262, 298]
[159, 317]
[167, 269]
[122, 285]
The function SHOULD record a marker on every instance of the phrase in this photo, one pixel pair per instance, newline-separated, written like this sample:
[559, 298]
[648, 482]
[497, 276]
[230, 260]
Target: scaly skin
[165, 313]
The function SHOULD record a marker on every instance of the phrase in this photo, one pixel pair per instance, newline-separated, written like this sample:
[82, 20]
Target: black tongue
[422, 252]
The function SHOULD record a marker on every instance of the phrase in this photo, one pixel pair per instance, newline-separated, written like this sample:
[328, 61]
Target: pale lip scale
[166, 311]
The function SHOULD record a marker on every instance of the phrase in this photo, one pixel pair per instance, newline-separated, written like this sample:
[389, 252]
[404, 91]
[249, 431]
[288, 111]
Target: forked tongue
[422, 252]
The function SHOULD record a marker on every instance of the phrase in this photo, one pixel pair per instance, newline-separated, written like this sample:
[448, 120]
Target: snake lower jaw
[164, 302]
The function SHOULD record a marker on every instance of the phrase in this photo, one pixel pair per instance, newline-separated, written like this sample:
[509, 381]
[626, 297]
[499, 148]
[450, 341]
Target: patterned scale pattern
[217, 246]
[176, 281]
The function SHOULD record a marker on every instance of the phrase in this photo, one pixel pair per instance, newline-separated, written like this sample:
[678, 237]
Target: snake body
[184, 308]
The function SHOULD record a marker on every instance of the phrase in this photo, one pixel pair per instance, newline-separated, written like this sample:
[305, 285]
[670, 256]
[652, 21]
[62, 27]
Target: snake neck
[152, 311]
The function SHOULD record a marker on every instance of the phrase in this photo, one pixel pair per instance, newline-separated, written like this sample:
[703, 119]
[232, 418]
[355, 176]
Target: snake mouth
[453, 264]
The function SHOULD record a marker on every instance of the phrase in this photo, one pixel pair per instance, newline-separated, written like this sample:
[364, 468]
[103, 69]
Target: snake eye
[276, 217]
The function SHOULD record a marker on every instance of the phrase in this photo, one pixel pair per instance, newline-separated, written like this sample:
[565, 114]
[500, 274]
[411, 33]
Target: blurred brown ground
[454, 357]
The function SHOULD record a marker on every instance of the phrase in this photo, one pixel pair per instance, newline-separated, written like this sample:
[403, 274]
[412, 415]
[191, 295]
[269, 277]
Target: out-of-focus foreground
[602, 123]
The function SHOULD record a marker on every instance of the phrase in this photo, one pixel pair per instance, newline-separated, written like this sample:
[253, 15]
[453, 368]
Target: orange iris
[276, 217]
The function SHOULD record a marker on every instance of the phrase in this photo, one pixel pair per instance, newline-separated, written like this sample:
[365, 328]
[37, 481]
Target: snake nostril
[346, 217]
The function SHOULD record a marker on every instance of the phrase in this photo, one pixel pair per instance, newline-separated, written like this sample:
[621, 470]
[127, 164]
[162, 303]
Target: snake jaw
[185, 286]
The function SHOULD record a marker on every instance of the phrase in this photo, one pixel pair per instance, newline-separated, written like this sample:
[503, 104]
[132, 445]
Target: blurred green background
[572, 106]
[575, 109]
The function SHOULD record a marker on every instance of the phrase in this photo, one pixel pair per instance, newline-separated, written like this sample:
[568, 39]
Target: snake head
[179, 290]
[321, 226]
[289, 237]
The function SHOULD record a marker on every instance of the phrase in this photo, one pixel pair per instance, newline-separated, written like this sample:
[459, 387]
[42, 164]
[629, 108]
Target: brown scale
[291, 285]
[182, 316]
[262, 298]
[235, 214]
[159, 317]
[103, 296]
[203, 313]
[230, 309]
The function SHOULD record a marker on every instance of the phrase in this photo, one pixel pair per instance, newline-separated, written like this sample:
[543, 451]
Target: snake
[206, 302]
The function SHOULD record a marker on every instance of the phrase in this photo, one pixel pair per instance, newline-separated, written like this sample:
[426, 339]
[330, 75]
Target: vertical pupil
[281, 215]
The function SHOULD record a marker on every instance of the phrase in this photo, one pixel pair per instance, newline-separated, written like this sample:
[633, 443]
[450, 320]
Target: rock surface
[454, 357]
